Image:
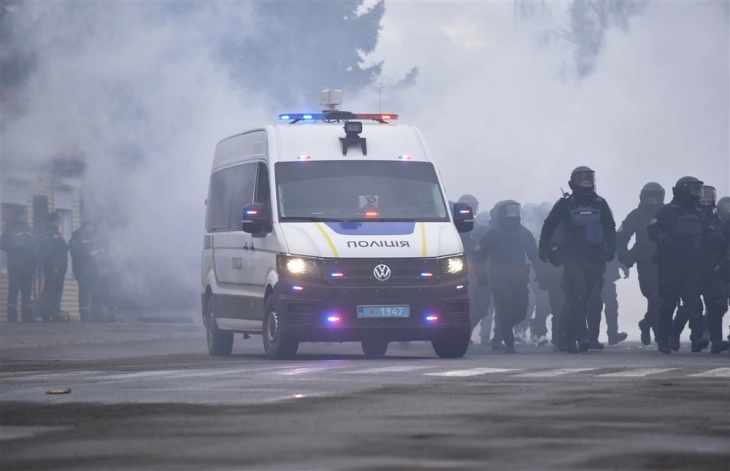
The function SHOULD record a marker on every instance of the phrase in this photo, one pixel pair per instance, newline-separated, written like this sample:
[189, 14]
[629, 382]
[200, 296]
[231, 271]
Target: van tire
[220, 343]
[277, 344]
[451, 345]
[374, 348]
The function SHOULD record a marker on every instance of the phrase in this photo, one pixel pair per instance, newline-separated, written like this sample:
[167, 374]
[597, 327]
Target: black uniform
[507, 248]
[589, 240]
[713, 288]
[84, 253]
[641, 254]
[678, 230]
[19, 241]
[55, 266]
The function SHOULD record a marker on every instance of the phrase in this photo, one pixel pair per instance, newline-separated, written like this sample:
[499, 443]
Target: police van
[332, 227]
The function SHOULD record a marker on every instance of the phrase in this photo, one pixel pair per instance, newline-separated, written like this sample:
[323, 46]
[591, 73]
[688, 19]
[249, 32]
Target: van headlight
[298, 266]
[454, 265]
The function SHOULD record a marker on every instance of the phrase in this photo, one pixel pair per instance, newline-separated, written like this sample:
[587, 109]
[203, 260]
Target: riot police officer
[19, 241]
[641, 253]
[723, 212]
[55, 266]
[506, 249]
[712, 286]
[678, 230]
[589, 241]
[84, 252]
[539, 299]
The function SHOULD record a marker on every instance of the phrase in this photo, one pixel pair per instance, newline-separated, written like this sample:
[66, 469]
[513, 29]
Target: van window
[336, 190]
[230, 190]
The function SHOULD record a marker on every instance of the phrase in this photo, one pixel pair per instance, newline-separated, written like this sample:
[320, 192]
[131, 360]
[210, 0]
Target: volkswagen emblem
[382, 272]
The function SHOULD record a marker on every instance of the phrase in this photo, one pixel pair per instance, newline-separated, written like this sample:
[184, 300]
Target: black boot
[572, 346]
[584, 345]
[699, 344]
[674, 342]
[645, 329]
[616, 337]
[596, 345]
[664, 346]
[719, 346]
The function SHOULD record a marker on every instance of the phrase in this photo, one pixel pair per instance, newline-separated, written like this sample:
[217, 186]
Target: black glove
[543, 254]
[610, 255]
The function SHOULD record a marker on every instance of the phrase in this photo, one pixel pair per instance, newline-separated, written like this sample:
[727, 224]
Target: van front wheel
[219, 343]
[277, 344]
[451, 345]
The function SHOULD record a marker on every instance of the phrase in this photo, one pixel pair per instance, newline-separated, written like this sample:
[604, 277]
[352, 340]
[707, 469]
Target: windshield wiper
[309, 219]
[343, 220]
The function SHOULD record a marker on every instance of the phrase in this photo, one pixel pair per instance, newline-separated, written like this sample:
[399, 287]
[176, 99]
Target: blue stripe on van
[372, 228]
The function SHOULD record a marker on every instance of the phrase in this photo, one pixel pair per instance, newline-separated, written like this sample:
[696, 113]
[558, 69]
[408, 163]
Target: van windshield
[357, 190]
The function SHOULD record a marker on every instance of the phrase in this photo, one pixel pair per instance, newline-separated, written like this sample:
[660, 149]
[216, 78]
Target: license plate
[383, 311]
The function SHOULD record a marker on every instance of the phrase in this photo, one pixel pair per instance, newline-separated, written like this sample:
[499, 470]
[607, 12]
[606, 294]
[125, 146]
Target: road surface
[151, 398]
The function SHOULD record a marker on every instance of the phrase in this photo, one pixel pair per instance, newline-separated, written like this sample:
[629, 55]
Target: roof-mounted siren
[329, 99]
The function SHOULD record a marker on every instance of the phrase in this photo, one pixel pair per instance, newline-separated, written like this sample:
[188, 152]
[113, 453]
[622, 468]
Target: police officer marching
[714, 250]
[651, 199]
[506, 248]
[19, 241]
[588, 242]
[678, 230]
[55, 266]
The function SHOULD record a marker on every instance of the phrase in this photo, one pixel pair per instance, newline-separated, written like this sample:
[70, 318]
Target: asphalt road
[154, 399]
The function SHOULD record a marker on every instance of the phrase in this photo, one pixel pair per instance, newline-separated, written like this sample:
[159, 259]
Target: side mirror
[463, 217]
[253, 220]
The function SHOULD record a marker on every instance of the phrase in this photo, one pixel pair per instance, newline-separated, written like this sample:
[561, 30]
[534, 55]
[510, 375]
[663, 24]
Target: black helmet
[472, 201]
[708, 196]
[510, 212]
[688, 189]
[582, 180]
[651, 192]
[723, 207]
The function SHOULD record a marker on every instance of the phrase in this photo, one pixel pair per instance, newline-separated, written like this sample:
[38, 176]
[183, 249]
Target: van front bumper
[307, 309]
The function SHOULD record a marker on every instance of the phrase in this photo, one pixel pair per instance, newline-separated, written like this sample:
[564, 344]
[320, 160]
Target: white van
[332, 227]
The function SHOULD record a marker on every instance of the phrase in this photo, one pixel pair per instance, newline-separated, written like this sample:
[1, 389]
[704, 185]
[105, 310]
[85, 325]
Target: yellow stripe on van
[423, 238]
[327, 238]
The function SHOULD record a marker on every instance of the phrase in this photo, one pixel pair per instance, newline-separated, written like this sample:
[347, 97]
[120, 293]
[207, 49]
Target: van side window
[263, 192]
[230, 190]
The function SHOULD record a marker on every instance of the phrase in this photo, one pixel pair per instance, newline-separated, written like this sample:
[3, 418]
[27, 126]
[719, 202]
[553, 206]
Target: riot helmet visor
[695, 188]
[708, 196]
[584, 178]
[511, 210]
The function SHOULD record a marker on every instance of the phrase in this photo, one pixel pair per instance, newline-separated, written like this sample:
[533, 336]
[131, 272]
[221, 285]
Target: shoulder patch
[653, 221]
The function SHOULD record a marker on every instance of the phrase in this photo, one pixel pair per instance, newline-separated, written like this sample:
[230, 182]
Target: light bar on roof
[337, 115]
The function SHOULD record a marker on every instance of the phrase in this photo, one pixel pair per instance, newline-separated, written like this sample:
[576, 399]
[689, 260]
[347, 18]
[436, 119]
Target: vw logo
[382, 272]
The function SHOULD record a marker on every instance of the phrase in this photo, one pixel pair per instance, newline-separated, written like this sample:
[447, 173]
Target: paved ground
[162, 403]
